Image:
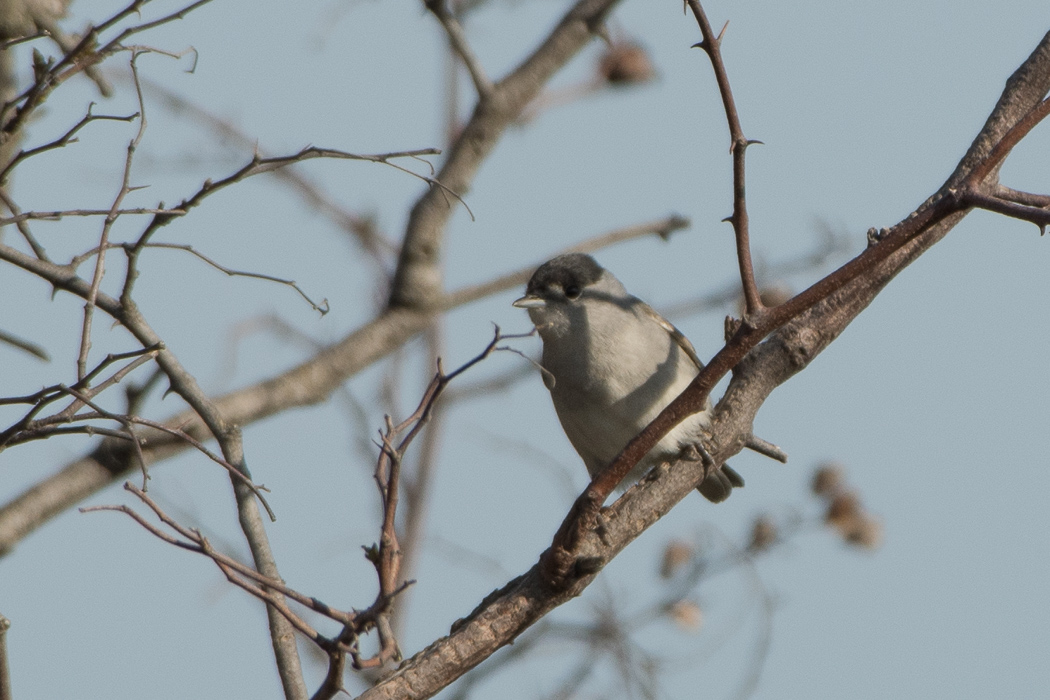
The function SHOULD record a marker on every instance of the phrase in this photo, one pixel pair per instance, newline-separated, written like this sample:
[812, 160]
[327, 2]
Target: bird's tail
[719, 484]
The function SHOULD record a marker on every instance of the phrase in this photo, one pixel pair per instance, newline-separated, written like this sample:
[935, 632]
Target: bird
[611, 364]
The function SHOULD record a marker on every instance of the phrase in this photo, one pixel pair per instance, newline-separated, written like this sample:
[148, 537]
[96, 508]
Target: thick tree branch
[507, 612]
[1012, 118]
[417, 281]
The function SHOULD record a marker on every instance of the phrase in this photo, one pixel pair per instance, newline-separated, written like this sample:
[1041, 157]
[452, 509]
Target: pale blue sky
[934, 399]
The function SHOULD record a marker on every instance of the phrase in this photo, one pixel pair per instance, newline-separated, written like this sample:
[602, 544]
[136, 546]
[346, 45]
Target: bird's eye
[572, 291]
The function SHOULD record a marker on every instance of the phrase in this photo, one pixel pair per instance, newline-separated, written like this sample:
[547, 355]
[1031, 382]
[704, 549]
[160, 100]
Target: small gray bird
[612, 364]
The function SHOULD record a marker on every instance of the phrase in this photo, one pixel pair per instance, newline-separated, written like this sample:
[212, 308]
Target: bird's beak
[530, 302]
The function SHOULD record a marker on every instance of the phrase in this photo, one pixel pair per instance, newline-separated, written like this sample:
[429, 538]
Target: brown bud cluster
[828, 479]
[845, 513]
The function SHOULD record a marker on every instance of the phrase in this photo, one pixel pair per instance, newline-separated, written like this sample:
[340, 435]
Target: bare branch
[60, 214]
[23, 228]
[889, 253]
[26, 345]
[63, 140]
[1027, 198]
[387, 556]
[816, 318]
[82, 56]
[48, 395]
[712, 45]
[259, 165]
[322, 308]
[1039, 216]
[457, 39]
[314, 379]
[100, 261]
[245, 577]
[417, 281]
[361, 227]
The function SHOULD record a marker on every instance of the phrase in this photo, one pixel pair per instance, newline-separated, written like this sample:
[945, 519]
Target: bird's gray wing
[676, 334]
[718, 485]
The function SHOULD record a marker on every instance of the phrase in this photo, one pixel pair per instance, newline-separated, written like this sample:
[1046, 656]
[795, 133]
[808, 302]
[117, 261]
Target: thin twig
[387, 555]
[257, 166]
[457, 39]
[26, 345]
[193, 541]
[133, 249]
[84, 55]
[1028, 198]
[40, 34]
[321, 308]
[23, 227]
[100, 261]
[361, 227]
[48, 395]
[63, 140]
[59, 214]
[711, 45]
[1036, 215]
[660, 227]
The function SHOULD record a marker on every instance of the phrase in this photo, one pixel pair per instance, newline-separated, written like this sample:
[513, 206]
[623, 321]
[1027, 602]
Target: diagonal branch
[417, 281]
[507, 612]
[892, 250]
[458, 40]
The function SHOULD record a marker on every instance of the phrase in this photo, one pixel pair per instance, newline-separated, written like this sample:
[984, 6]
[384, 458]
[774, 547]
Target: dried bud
[763, 533]
[676, 555]
[866, 533]
[844, 511]
[625, 63]
[828, 479]
[687, 614]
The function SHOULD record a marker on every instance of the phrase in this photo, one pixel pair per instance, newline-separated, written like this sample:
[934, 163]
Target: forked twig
[63, 140]
[386, 556]
[100, 261]
[241, 575]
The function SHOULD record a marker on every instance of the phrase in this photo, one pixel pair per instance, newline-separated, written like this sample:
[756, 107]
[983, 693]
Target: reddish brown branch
[948, 206]
[1041, 201]
[991, 162]
[738, 143]
[1037, 215]
[386, 556]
